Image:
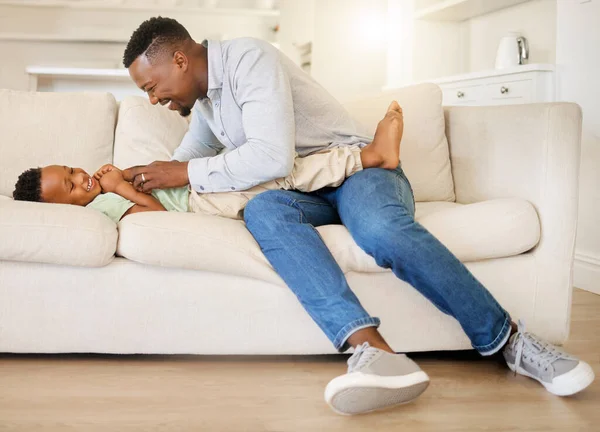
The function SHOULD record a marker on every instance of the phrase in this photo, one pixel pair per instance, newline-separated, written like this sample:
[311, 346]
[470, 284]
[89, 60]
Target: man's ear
[180, 60]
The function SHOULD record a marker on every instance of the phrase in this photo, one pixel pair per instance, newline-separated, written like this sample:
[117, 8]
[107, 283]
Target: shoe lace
[361, 356]
[530, 345]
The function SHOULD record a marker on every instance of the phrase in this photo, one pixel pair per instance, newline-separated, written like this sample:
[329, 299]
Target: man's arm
[198, 142]
[262, 90]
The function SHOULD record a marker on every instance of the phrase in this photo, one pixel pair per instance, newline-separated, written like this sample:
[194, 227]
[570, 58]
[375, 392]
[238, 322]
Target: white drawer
[510, 92]
[462, 95]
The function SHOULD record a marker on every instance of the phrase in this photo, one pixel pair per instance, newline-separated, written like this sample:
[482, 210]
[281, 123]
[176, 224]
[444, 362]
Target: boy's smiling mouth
[90, 184]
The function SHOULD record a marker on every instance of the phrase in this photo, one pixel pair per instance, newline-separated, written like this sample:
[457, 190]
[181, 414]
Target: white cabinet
[519, 85]
[463, 94]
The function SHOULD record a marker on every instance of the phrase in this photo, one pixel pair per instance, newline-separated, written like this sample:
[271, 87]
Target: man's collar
[215, 64]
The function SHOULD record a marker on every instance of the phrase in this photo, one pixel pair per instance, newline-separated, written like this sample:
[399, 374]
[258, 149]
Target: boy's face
[65, 185]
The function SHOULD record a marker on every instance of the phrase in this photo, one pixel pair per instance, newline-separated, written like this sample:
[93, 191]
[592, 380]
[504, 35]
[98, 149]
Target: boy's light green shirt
[115, 206]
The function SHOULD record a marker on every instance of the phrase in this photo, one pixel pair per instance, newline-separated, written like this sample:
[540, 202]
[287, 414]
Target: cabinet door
[462, 95]
[510, 92]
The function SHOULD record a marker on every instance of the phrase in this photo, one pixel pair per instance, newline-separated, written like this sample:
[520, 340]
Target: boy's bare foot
[384, 151]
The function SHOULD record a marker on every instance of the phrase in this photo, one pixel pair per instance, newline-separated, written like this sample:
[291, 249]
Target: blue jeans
[377, 207]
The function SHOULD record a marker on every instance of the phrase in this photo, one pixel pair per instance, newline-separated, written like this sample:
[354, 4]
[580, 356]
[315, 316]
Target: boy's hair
[152, 37]
[29, 186]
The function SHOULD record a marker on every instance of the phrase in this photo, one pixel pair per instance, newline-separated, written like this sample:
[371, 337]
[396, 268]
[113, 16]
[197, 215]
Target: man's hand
[110, 180]
[159, 175]
[128, 173]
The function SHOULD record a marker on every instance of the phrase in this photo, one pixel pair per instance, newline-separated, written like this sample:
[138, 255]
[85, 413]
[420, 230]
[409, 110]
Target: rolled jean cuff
[349, 329]
[499, 341]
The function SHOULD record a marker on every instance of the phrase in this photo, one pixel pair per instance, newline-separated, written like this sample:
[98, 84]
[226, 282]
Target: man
[254, 101]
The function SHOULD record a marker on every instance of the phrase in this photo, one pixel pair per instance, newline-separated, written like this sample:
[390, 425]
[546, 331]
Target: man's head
[165, 62]
[57, 184]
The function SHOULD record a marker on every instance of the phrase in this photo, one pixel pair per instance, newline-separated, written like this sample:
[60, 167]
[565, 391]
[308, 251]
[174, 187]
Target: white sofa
[497, 185]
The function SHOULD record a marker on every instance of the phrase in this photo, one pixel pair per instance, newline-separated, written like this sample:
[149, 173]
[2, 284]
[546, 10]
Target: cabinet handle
[503, 90]
[460, 94]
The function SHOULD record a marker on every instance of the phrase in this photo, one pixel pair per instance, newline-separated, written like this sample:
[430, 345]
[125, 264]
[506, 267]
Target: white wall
[400, 36]
[296, 26]
[53, 36]
[437, 49]
[578, 62]
[536, 20]
[350, 47]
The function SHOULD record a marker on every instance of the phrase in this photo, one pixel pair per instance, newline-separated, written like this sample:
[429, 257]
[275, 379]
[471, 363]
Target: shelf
[461, 10]
[535, 67]
[38, 37]
[112, 5]
[76, 72]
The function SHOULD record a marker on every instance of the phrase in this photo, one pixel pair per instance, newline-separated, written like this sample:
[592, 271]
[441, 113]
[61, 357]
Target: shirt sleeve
[112, 205]
[262, 89]
[198, 142]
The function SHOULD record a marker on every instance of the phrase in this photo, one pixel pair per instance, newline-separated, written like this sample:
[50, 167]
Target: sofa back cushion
[424, 149]
[146, 133]
[37, 129]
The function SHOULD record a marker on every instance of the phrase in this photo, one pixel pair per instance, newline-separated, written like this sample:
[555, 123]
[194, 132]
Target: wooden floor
[158, 393]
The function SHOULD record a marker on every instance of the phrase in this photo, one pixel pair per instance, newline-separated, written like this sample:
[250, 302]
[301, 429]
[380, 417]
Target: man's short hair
[152, 37]
[29, 186]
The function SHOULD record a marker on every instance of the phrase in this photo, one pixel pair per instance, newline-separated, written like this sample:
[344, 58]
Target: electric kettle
[512, 51]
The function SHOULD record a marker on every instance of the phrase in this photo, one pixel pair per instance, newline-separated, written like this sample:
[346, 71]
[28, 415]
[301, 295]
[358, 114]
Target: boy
[110, 190]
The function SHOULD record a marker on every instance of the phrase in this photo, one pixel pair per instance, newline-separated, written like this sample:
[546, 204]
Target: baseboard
[586, 274]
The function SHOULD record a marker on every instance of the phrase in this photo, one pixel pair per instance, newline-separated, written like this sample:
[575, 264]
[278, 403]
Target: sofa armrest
[55, 234]
[531, 152]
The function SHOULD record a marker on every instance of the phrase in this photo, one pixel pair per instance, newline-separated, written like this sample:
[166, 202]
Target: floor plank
[161, 393]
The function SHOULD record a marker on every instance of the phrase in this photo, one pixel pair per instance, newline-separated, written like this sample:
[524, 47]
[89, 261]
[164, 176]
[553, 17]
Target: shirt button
[222, 133]
[201, 187]
[217, 104]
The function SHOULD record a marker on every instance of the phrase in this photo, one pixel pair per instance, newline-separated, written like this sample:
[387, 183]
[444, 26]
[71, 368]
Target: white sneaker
[560, 373]
[375, 380]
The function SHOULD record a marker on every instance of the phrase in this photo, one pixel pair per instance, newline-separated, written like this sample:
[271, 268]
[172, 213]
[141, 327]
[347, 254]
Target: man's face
[65, 185]
[168, 79]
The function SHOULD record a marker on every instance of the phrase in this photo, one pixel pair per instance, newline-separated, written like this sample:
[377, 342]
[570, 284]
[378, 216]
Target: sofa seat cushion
[55, 234]
[491, 229]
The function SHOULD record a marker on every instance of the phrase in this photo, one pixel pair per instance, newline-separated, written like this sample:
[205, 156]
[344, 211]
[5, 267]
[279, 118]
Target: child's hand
[105, 169]
[110, 180]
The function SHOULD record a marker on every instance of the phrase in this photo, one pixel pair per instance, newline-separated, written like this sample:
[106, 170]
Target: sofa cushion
[492, 229]
[56, 234]
[37, 129]
[424, 149]
[146, 132]
[192, 241]
[485, 230]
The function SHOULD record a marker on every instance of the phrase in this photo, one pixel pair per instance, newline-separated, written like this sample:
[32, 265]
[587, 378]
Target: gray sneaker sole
[360, 400]
[567, 384]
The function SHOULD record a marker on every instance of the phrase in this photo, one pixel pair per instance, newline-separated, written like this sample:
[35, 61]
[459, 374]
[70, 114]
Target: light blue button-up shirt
[262, 109]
